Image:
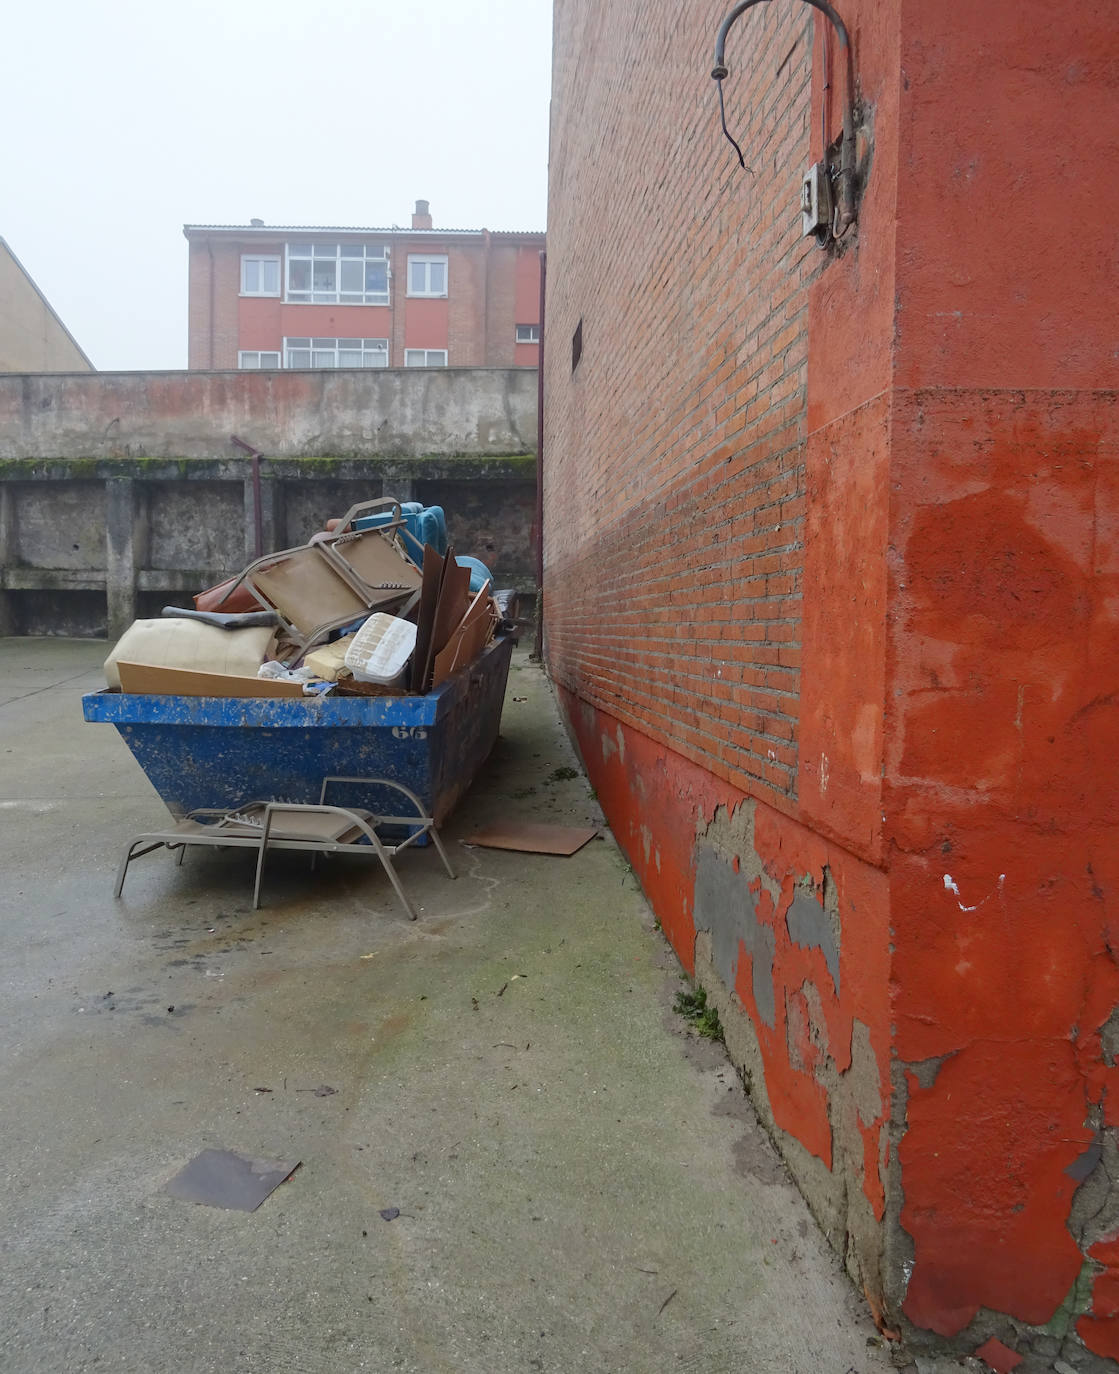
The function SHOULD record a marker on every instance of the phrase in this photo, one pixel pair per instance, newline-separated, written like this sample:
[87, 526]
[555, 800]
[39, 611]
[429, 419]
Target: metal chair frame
[231, 830]
[401, 596]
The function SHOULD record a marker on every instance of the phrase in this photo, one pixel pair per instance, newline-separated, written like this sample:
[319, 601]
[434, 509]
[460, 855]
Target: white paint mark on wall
[951, 886]
[824, 772]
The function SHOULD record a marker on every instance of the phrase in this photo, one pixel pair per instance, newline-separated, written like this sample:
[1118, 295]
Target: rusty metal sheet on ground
[533, 838]
[224, 1178]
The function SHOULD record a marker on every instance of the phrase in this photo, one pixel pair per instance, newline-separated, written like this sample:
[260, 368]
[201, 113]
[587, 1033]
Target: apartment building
[293, 296]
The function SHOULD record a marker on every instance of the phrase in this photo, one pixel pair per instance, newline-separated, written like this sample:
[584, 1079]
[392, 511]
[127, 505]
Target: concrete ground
[582, 1185]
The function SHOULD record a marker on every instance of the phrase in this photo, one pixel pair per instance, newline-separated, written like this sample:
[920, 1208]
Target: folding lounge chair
[321, 829]
[335, 579]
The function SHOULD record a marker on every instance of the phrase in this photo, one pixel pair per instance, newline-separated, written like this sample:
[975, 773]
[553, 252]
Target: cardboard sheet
[224, 1178]
[534, 838]
[149, 679]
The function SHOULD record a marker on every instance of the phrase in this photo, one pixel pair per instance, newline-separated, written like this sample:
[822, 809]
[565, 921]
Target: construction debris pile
[377, 604]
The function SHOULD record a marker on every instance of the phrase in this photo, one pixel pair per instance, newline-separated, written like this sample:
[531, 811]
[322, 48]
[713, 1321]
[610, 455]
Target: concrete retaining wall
[120, 493]
[399, 413]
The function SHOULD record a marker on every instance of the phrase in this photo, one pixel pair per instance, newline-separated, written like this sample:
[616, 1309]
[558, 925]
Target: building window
[338, 274]
[425, 357]
[260, 276]
[336, 352]
[252, 358]
[528, 333]
[427, 275]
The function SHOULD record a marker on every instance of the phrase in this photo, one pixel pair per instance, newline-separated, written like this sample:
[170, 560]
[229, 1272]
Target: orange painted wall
[1004, 652]
[935, 409]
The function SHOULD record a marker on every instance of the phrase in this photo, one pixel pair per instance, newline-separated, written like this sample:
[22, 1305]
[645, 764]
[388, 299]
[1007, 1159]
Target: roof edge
[271, 230]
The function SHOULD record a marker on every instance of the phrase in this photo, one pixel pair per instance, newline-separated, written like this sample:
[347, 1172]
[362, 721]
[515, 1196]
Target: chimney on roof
[257, 223]
[422, 217]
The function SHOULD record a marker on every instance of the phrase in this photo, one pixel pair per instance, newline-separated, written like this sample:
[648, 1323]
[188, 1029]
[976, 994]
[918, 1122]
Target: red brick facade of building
[489, 301]
[831, 599]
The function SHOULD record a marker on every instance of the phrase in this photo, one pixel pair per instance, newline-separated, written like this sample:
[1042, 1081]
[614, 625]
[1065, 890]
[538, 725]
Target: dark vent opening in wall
[577, 345]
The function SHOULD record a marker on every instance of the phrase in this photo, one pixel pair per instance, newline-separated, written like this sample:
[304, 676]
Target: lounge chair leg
[122, 871]
[438, 843]
[396, 883]
[259, 872]
[182, 855]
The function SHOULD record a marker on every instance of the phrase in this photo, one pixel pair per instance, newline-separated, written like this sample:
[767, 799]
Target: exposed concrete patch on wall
[926, 1070]
[731, 834]
[855, 1104]
[1109, 1039]
[1093, 1222]
[813, 926]
[810, 1062]
[844, 1212]
[824, 1191]
[725, 907]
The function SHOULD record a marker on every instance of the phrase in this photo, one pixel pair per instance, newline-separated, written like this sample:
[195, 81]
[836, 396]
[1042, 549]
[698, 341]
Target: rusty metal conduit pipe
[846, 196]
[258, 514]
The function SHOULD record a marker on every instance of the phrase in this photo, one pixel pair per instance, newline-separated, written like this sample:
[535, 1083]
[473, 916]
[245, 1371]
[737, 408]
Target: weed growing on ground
[691, 1004]
[563, 774]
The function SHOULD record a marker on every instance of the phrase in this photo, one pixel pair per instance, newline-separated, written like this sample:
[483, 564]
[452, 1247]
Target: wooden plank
[425, 614]
[148, 679]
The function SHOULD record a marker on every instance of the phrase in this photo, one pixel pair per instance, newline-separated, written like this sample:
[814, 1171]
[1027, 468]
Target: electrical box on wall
[816, 201]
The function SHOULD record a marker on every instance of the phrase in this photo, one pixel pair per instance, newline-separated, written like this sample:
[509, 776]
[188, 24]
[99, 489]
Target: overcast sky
[125, 120]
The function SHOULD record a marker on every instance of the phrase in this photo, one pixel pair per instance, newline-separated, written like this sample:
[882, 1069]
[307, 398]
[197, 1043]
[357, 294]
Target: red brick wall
[215, 285]
[676, 450]
[466, 296]
[501, 302]
[526, 304]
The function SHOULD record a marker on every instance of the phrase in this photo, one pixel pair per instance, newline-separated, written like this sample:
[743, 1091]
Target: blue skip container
[225, 751]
